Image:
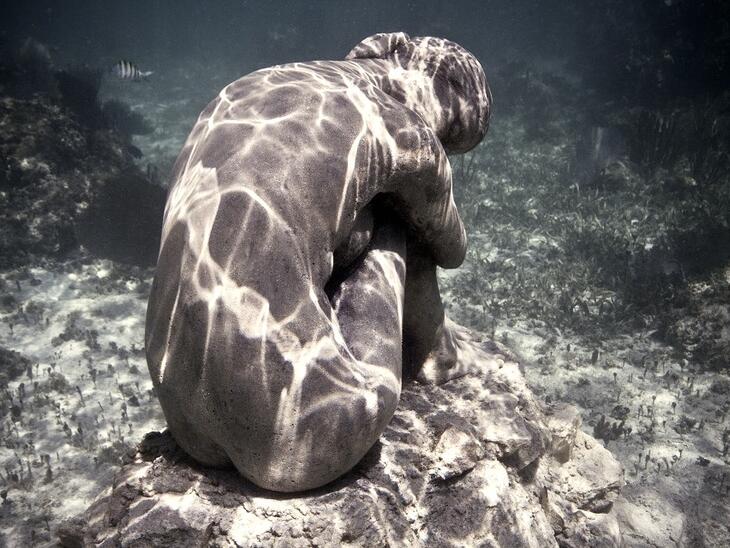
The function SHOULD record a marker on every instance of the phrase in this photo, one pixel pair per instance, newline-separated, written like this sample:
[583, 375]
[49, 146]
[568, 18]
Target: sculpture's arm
[423, 195]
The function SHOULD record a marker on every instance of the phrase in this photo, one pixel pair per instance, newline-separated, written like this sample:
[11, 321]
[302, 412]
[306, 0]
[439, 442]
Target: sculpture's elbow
[453, 254]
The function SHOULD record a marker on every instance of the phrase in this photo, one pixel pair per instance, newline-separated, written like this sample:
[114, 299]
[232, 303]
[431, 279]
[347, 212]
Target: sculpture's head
[437, 78]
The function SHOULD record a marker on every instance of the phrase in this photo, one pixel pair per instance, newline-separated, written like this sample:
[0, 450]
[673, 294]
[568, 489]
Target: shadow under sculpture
[296, 280]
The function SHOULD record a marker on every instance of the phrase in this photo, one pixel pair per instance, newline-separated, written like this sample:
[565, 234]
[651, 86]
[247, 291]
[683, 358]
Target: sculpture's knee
[323, 445]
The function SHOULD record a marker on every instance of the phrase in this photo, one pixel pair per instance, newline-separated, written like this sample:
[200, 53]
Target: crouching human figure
[296, 280]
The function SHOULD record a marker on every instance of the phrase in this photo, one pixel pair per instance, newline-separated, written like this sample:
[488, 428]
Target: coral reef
[64, 150]
[49, 185]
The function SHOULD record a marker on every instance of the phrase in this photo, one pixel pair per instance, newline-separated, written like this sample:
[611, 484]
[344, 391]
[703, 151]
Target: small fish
[129, 71]
[134, 151]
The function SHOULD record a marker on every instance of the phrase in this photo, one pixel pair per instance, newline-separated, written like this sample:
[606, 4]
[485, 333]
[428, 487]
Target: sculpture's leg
[346, 400]
[351, 379]
[369, 302]
[426, 346]
[431, 343]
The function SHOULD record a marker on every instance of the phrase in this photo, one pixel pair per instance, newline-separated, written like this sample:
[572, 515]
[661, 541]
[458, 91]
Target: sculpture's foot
[458, 351]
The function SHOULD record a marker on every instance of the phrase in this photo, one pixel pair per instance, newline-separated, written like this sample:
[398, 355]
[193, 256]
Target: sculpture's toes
[458, 352]
[443, 363]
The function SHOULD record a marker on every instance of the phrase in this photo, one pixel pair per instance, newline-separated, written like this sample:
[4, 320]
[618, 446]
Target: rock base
[476, 461]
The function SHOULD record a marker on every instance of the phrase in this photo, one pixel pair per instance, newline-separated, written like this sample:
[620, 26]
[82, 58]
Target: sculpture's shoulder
[323, 95]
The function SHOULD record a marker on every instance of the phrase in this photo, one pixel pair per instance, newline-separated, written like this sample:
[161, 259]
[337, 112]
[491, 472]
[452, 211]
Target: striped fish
[129, 71]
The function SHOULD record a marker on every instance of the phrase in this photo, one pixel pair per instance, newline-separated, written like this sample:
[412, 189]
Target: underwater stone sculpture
[296, 279]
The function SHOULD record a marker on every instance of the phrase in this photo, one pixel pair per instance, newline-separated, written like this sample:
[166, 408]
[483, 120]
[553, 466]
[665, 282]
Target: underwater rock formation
[56, 183]
[473, 461]
[41, 186]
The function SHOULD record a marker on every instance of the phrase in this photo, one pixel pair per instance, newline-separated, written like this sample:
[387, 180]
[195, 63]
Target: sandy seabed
[87, 398]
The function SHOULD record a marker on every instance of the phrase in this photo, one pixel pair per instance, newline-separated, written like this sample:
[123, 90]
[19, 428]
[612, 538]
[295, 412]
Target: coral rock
[463, 463]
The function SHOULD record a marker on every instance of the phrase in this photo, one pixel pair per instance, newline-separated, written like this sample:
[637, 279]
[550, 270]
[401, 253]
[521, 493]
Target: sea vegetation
[598, 211]
[71, 398]
[601, 205]
[652, 53]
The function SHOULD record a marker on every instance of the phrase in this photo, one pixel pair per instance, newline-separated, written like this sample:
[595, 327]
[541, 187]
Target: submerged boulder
[474, 461]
